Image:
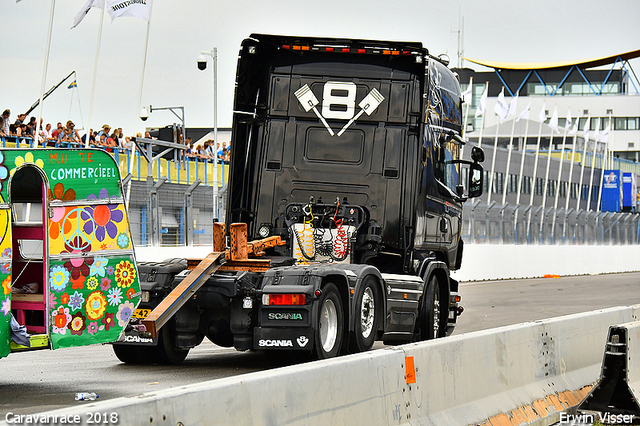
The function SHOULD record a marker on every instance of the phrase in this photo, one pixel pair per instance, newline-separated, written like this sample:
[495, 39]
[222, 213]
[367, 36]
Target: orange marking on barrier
[410, 369]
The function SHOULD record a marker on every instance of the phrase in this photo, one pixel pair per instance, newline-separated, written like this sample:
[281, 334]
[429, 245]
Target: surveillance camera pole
[214, 55]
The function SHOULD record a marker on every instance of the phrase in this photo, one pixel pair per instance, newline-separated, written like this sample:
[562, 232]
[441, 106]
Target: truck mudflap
[283, 338]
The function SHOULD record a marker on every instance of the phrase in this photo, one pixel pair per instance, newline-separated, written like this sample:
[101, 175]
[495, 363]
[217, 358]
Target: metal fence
[519, 224]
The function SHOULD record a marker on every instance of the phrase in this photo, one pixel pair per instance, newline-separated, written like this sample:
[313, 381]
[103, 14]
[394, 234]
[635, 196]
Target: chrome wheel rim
[436, 314]
[367, 312]
[328, 325]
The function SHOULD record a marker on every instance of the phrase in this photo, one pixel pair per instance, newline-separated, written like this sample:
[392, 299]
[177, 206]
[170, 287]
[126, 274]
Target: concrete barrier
[509, 375]
[519, 261]
[480, 259]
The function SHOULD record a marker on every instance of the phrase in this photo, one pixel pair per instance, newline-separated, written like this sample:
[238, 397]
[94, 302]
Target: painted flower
[64, 299]
[105, 284]
[4, 172]
[108, 321]
[92, 283]
[59, 213]
[28, 158]
[76, 301]
[110, 270]
[104, 216]
[6, 307]
[98, 267]
[78, 266]
[61, 318]
[6, 252]
[5, 267]
[95, 305]
[124, 313]
[59, 193]
[77, 324]
[92, 328]
[58, 277]
[130, 293]
[53, 301]
[125, 274]
[6, 285]
[77, 284]
[114, 296]
[123, 240]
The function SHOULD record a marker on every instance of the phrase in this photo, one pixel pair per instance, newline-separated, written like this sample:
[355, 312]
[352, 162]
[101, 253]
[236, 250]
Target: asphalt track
[44, 380]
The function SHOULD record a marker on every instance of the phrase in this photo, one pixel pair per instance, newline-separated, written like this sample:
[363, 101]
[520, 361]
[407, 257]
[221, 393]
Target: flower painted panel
[92, 299]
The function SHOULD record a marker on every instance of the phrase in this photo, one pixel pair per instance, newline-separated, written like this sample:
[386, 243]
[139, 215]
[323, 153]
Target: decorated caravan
[67, 266]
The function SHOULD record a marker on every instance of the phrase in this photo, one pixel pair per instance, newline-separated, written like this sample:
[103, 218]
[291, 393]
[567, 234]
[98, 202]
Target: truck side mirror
[477, 154]
[476, 178]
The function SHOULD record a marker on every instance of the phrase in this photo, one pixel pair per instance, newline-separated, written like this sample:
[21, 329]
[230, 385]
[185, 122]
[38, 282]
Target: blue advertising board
[611, 191]
[629, 191]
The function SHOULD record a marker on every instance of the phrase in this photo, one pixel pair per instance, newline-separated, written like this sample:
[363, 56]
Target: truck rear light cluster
[284, 299]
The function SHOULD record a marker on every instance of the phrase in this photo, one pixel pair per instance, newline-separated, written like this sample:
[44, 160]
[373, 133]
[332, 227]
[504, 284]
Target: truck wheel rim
[328, 325]
[436, 316]
[367, 313]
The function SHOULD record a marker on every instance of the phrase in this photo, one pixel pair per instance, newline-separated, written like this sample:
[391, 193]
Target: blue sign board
[611, 191]
[629, 190]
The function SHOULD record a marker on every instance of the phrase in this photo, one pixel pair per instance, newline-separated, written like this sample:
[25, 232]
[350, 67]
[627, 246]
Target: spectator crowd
[67, 136]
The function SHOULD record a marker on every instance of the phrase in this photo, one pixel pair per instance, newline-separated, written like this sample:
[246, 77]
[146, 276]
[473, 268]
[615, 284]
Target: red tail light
[284, 299]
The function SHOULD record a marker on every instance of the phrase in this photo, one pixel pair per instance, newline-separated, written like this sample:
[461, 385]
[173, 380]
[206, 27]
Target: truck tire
[128, 354]
[431, 311]
[165, 352]
[367, 316]
[330, 331]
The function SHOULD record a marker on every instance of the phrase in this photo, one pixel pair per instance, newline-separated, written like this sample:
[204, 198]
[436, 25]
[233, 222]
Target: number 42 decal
[338, 106]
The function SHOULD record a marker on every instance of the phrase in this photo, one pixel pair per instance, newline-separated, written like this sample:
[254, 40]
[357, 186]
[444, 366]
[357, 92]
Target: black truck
[348, 151]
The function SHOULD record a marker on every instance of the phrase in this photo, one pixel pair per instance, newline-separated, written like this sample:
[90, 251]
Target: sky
[498, 30]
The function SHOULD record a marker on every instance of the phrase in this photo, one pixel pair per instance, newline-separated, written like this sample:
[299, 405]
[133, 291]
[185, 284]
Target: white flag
[543, 114]
[568, 123]
[586, 130]
[466, 95]
[525, 114]
[553, 123]
[501, 108]
[131, 8]
[483, 103]
[596, 134]
[85, 9]
[605, 134]
[574, 130]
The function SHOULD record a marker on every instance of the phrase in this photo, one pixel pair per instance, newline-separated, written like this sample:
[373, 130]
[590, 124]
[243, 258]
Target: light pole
[202, 65]
[144, 114]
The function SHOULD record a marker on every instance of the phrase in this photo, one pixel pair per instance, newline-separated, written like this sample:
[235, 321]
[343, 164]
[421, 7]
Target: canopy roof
[588, 63]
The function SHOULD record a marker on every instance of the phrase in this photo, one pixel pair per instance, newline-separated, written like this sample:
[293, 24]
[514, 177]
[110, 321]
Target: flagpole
[36, 132]
[546, 186]
[535, 165]
[463, 131]
[564, 144]
[583, 159]
[593, 166]
[493, 159]
[606, 163]
[524, 149]
[144, 66]
[486, 88]
[573, 160]
[513, 129]
[95, 73]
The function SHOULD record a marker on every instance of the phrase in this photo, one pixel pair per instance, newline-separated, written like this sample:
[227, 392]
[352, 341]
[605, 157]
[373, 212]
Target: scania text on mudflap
[344, 207]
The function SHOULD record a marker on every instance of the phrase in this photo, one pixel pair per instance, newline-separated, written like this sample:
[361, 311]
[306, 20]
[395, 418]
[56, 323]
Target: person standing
[5, 123]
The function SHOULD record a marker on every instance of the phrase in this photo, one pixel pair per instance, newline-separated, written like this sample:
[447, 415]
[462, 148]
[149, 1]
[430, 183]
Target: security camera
[202, 62]
[144, 114]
